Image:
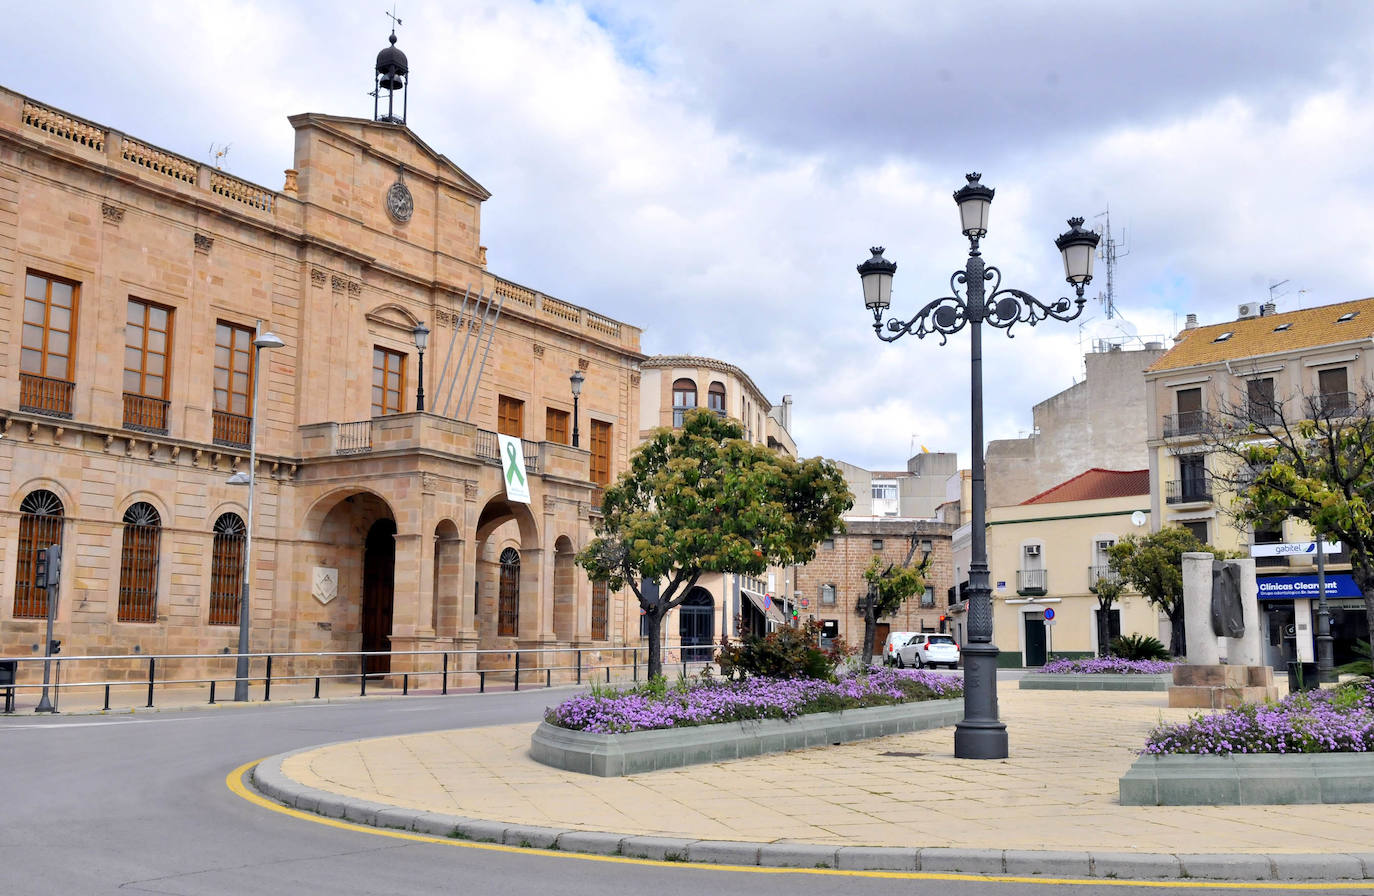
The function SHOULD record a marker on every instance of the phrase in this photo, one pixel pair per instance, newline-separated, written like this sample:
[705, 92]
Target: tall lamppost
[980, 735]
[263, 340]
[576, 380]
[421, 334]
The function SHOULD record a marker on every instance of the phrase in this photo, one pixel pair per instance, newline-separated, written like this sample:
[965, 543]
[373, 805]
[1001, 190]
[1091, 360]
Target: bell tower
[393, 71]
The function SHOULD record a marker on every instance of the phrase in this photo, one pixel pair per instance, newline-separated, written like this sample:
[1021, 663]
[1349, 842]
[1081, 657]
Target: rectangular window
[600, 611]
[1189, 419]
[1333, 386]
[147, 348]
[828, 544]
[1192, 478]
[1198, 528]
[49, 335]
[928, 598]
[556, 426]
[828, 594]
[233, 383]
[884, 491]
[877, 544]
[388, 381]
[1259, 401]
[510, 416]
[601, 453]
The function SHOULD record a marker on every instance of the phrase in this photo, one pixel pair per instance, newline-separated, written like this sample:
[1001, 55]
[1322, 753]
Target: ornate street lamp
[576, 380]
[421, 334]
[980, 735]
[263, 340]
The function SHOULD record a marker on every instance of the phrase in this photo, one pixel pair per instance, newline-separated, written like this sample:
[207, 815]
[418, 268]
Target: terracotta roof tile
[1256, 336]
[1096, 484]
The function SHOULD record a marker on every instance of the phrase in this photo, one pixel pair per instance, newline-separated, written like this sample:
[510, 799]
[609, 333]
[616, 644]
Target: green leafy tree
[1309, 458]
[702, 499]
[889, 586]
[1108, 590]
[1153, 565]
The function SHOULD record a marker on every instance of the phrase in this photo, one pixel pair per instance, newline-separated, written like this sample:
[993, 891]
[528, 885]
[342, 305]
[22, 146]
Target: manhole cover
[902, 755]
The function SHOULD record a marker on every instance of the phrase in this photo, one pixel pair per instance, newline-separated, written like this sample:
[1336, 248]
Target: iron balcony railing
[1194, 490]
[145, 413]
[354, 438]
[1336, 403]
[233, 430]
[45, 395]
[1101, 573]
[1186, 423]
[1031, 581]
[489, 449]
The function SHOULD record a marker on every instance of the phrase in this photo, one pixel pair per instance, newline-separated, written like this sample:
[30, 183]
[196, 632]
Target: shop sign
[1305, 587]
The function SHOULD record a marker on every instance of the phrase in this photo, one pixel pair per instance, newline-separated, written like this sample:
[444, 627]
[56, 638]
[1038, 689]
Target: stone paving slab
[1051, 808]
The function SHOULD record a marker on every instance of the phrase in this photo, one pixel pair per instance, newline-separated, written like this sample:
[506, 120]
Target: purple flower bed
[1337, 721]
[644, 709]
[1107, 664]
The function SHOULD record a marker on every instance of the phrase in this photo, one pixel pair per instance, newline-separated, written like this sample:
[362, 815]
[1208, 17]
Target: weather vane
[395, 22]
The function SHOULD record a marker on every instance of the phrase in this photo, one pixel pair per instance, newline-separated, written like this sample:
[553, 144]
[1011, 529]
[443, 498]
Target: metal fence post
[579, 665]
[152, 667]
[267, 683]
[445, 689]
[636, 664]
[212, 693]
[362, 674]
[517, 670]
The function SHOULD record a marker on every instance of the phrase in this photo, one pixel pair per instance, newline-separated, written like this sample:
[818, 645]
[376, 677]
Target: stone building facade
[132, 283]
[832, 585]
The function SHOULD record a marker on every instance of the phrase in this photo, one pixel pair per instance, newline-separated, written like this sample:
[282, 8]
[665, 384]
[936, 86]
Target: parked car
[894, 641]
[929, 649]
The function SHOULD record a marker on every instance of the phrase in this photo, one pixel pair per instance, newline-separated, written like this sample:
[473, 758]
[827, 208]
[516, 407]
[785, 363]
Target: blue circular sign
[1049, 613]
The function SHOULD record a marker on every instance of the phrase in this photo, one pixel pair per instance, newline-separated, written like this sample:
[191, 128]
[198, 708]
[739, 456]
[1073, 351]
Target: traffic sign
[1049, 614]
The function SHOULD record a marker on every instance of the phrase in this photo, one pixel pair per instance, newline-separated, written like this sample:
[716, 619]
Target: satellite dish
[1138, 518]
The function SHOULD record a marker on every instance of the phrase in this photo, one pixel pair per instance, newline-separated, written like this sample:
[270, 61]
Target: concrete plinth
[1216, 686]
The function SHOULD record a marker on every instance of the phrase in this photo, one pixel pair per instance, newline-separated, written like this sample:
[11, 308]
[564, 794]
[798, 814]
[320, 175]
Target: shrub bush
[785, 653]
[1138, 647]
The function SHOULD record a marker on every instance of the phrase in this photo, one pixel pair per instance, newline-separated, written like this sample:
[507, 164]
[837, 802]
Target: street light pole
[421, 334]
[263, 341]
[981, 735]
[1325, 673]
[576, 380]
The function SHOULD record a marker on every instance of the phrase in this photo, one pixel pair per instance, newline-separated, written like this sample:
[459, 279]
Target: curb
[268, 778]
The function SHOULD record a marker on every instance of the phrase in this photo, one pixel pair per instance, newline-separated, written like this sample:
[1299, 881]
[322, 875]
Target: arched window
[226, 569]
[508, 610]
[40, 525]
[684, 399]
[715, 398]
[138, 564]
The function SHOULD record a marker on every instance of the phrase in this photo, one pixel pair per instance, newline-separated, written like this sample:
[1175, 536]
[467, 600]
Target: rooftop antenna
[219, 152]
[1274, 286]
[1109, 250]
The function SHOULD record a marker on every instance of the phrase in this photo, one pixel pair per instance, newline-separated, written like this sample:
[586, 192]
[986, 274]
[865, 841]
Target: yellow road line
[235, 782]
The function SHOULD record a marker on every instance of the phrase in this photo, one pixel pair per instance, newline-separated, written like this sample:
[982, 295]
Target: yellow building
[1048, 553]
[133, 281]
[1256, 364]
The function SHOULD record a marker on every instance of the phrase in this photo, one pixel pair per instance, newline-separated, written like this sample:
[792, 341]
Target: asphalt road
[138, 804]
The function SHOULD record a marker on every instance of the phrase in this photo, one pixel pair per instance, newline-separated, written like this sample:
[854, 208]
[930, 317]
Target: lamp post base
[980, 735]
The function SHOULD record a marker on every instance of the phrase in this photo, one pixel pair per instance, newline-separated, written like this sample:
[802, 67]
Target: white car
[929, 649]
[894, 641]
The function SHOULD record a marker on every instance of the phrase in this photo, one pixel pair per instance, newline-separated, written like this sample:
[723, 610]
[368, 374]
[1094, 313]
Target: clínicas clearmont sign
[1289, 587]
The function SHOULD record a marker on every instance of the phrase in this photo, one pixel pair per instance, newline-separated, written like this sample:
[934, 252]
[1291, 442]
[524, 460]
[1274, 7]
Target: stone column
[1247, 650]
[1197, 609]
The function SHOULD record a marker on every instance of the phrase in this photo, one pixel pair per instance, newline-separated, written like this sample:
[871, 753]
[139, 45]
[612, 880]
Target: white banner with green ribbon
[513, 468]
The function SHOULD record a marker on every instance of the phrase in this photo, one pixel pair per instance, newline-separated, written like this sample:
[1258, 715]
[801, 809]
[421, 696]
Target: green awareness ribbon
[513, 471]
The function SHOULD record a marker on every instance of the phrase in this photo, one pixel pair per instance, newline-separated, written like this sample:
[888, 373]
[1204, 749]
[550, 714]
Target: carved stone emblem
[326, 584]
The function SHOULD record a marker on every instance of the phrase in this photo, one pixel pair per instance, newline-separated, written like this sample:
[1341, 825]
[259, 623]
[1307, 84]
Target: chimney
[1190, 322]
[1268, 308]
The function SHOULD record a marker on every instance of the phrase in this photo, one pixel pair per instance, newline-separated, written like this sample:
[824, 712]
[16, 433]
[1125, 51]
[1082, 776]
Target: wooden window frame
[556, 426]
[145, 352]
[41, 518]
[393, 401]
[233, 427]
[601, 602]
[684, 390]
[46, 329]
[140, 545]
[510, 416]
[600, 444]
[226, 569]
[508, 595]
[715, 398]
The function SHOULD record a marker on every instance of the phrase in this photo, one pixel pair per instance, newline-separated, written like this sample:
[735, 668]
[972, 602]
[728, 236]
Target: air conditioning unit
[1032, 550]
[1102, 546]
[1248, 309]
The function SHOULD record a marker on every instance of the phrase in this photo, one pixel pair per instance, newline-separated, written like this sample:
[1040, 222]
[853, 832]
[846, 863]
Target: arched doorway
[696, 626]
[379, 567]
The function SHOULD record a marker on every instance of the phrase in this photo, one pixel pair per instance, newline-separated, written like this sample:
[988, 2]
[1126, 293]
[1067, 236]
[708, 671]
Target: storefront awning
[765, 605]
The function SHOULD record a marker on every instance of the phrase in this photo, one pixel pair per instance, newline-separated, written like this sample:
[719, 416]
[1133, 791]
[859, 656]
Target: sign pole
[1325, 675]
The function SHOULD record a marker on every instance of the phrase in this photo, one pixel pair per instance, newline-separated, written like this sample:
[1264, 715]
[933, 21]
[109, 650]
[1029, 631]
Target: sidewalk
[1056, 796]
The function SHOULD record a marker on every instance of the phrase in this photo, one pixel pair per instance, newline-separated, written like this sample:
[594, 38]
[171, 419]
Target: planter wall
[1105, 681]
[1249, 779]
[612, 755]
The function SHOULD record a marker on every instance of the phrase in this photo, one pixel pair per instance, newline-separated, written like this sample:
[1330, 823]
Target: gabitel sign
[1294, 549]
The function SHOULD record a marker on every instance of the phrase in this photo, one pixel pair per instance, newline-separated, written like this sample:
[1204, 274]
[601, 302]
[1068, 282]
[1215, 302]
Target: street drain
[898, 755]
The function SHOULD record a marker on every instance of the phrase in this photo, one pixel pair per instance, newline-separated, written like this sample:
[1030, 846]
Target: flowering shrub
[1114, 664]
[711, 702]
[1338, 721]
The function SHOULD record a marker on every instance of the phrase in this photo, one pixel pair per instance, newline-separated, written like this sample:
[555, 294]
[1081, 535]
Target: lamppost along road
[980, 735]
[138, 804]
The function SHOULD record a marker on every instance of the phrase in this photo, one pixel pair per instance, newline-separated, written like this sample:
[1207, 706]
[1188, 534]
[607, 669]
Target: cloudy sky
[713, 172]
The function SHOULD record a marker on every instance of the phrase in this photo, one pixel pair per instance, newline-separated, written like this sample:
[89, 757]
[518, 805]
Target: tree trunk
[1104, 630]
[1178, 644]
[655, 623]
